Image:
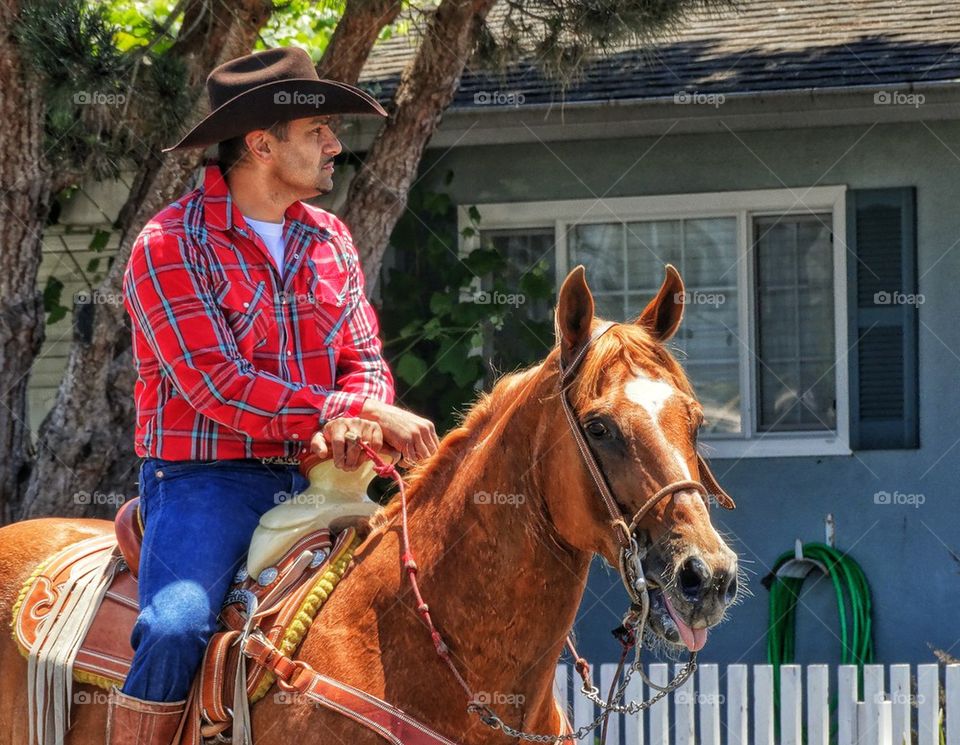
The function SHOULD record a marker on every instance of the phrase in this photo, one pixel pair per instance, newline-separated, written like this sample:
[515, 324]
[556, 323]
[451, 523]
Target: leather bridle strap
[298, 677]
[567, 375]
[668, 490]
[618, 523]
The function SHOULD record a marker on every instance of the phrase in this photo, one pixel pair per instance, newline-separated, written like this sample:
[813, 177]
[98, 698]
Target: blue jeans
[198, 518]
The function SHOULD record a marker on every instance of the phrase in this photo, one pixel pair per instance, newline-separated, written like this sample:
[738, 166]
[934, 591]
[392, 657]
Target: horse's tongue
[693, 638]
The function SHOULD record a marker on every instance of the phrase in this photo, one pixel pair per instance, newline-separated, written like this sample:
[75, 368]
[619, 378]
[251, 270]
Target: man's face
[304, 160]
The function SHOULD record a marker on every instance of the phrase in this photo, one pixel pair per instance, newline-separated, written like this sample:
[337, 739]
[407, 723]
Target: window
[764, 333]
[795, 345]
[624, 263]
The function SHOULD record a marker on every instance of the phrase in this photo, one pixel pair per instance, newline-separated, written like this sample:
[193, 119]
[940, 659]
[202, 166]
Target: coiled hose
[853, 603]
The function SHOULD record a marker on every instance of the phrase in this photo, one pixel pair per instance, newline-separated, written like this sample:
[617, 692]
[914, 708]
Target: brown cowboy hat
[258, 90]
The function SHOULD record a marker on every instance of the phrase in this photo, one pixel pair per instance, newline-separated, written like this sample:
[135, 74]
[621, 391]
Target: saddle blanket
[75, 613]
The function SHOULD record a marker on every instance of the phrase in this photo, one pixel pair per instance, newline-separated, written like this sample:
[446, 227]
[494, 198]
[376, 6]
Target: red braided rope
[388, 470]
[409, 564]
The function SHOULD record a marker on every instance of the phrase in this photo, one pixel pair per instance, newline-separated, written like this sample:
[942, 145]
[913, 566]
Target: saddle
[75, 614]
[280, 602]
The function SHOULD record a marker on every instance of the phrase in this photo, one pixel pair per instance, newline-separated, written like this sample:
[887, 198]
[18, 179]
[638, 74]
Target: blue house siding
[910, 554]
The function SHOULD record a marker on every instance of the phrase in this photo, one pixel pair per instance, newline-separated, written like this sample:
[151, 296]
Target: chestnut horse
[504, 520]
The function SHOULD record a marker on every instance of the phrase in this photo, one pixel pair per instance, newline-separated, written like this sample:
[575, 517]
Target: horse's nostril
[693, 575]
[728, 587]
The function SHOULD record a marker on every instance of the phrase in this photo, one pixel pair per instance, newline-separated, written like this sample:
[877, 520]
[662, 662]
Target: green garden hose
[853, 604]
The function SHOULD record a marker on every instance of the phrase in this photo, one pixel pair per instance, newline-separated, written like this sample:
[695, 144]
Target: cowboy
[254, 344]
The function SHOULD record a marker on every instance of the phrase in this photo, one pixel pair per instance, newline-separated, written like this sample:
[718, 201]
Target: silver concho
[319, 557]
[237, 596]
[267, 576]
[241, 574]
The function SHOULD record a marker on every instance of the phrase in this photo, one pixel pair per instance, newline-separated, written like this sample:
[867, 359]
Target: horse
[504, 519]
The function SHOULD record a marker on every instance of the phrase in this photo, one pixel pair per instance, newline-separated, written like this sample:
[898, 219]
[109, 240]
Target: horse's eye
[597, 429]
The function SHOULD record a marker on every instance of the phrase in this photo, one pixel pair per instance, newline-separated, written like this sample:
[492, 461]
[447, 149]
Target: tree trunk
[354, 37]
[378, 194]
[24, 205]
[85, 463]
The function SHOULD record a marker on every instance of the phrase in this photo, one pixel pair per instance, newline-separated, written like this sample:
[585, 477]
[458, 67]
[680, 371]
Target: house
[800, 164]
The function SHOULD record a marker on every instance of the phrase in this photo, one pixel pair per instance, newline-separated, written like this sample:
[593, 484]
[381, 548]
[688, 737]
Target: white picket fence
[899, 705]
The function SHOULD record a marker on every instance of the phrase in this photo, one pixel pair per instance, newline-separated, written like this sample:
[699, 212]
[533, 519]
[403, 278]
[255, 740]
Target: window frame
[744, 206]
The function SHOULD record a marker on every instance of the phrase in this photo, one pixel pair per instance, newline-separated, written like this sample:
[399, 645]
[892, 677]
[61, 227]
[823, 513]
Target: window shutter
[882, 282]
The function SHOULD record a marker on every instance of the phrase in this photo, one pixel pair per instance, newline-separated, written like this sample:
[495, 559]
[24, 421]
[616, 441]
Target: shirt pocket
[329, 289]
[245, 306]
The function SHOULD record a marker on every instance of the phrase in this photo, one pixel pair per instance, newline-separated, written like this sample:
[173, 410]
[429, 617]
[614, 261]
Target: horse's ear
[663, 314]
[574, 313]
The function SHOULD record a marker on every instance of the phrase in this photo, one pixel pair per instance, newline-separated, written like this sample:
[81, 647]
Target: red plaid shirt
[232, 361]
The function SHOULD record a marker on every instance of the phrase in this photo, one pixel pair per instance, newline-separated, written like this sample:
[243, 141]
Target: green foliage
[302, 23]
[68, 39]
[443, 341]
[110, 91]
[52, 305]
[137, 23]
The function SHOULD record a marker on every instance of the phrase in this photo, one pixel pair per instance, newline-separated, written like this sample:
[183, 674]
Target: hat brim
[277, 101]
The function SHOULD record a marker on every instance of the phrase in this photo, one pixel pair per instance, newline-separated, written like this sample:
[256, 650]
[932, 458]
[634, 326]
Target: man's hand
[346, 452]
[413, 436]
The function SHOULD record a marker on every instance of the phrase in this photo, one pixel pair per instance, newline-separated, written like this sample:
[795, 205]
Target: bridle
[630, 557]
[624, 532]
[630, 633]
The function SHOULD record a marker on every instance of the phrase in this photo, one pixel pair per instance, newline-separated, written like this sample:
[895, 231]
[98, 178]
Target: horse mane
[455, 445]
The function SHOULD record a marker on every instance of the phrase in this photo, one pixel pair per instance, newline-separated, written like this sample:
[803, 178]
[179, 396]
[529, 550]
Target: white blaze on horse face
[652, 395]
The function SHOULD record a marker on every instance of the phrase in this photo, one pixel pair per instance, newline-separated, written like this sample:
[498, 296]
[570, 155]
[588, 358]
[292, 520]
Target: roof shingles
[758, 46]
